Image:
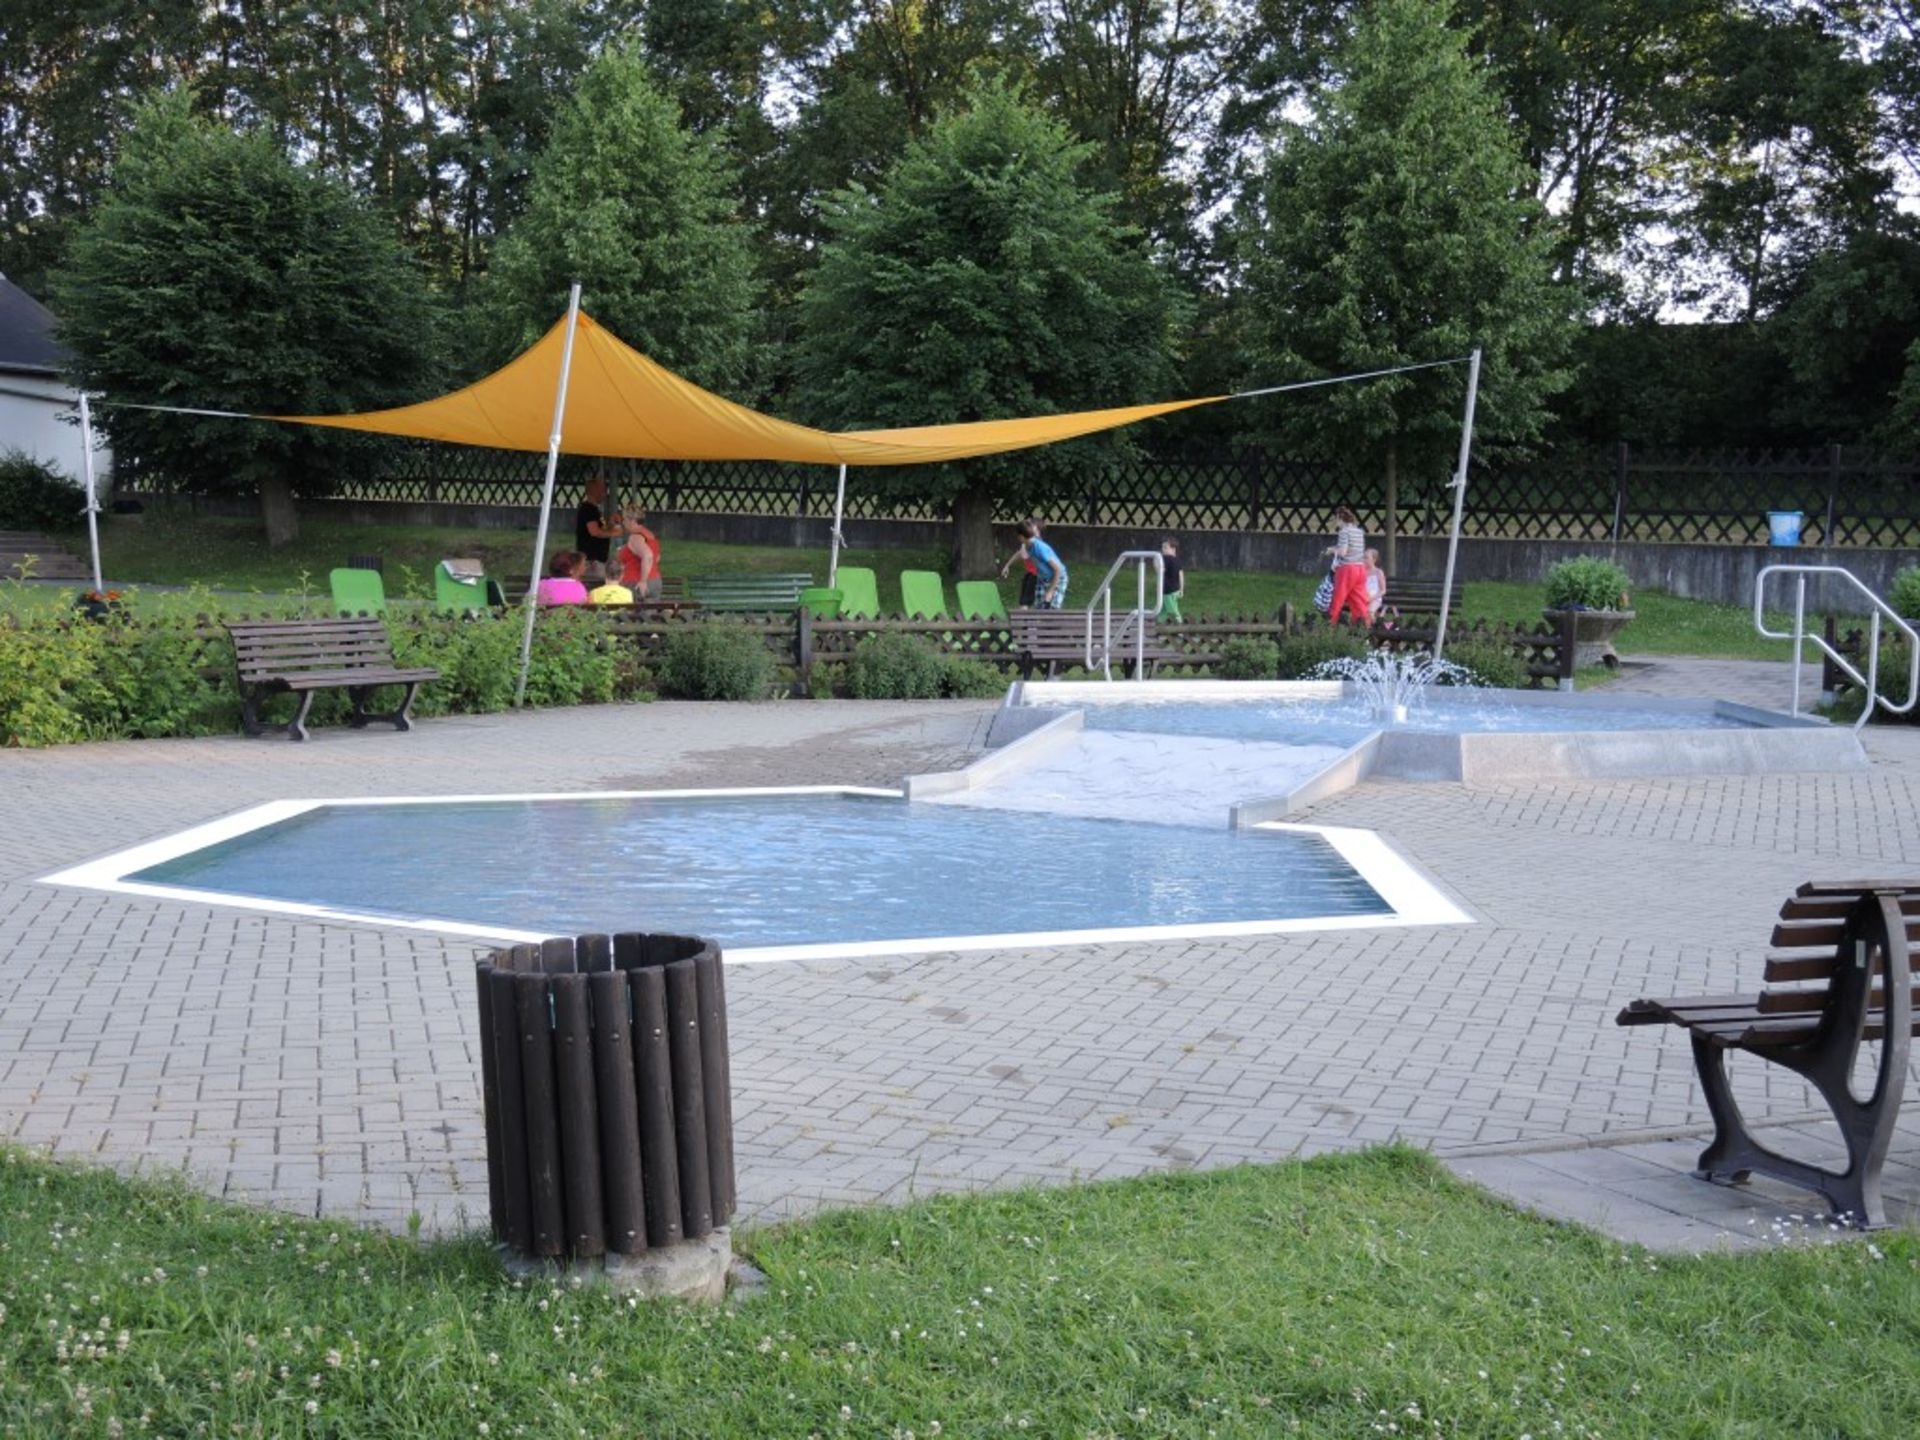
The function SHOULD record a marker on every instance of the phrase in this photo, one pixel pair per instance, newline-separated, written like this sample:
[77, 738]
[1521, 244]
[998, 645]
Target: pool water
[1347, 721]
[772, 870]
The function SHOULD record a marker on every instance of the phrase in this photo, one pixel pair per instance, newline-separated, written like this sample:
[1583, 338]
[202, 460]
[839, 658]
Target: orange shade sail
[621, 404]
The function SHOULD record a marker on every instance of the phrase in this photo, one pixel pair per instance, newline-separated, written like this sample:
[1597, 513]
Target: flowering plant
[101, 597]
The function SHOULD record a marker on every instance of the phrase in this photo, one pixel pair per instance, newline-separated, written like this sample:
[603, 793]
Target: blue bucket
[1783, 526]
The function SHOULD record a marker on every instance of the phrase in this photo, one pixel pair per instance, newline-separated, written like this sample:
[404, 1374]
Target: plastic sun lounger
[859, 593]
[979, 600]
[357, 592]
[922, 596]
[460, 596]
[820, 602]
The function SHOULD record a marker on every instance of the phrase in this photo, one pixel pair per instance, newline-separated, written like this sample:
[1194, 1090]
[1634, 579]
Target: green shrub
[965, 679]
[1586, 582]
[1300, 656]
[715, 660]
[895, 666]
[35, 496]
[1905, 595]
[1489, 663]
[1245, 658]
[572, 659]
[165, 679]
[50, 688]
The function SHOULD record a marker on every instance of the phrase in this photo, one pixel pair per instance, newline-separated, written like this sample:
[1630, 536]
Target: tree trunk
[277, 511]
[973, 557]
[1388, 560]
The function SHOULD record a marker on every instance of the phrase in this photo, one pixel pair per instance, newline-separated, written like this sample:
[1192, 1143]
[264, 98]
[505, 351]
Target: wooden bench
[1055, 636]
[747, 592]
[1841, 975]
[308, 656]
[1421, 597]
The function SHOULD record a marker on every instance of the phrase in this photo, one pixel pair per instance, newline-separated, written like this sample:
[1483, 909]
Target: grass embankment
[227, 557]
[1358, 1295]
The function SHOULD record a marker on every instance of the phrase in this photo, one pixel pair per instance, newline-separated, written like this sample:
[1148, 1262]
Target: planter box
[1593, 633]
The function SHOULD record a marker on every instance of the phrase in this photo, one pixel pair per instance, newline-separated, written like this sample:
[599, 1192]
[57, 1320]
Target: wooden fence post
[1569, 646]
[1252, 461]
[1833, 492]
[802, 650]
[1619, 488]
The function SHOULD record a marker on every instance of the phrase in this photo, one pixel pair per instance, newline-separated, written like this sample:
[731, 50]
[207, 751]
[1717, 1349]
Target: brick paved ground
[329, 1068]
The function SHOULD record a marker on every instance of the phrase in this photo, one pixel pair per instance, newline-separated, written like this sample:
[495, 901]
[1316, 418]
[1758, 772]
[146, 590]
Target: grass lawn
[1358, 1295]
[227, 556]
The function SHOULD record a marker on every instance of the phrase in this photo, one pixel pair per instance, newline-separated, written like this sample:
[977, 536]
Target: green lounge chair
[820, 602]
[358, 592]
[979, 600]
[859, 593]
[450, 592]
[922, 596]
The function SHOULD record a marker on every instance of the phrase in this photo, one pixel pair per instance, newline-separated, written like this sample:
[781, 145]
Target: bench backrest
[266, 649]
[1422, 596]
[1814, 941]
[748, 592]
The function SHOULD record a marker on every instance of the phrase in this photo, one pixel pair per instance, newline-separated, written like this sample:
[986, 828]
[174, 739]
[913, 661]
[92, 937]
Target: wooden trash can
[608, 1097]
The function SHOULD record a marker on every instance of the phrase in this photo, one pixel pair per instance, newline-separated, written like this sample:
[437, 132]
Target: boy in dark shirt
[1173, 582]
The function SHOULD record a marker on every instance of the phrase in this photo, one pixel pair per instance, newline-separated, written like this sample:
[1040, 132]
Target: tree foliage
[1393, 228]
[982, 280]
[643, 214]
[217, 274]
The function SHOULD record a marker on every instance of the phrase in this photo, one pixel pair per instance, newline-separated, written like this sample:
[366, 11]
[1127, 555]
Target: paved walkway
[330, 1068]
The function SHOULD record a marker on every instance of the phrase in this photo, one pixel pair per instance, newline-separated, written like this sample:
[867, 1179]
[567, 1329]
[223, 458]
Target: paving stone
[341, 1058]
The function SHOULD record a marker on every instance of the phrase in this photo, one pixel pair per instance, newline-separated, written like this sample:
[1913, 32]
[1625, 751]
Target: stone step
[51, 560]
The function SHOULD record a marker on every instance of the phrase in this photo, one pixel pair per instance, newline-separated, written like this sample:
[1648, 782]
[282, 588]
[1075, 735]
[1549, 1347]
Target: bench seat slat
[336, 679]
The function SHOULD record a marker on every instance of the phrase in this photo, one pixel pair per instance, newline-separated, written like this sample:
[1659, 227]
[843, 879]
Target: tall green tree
[1395, 225]
[216, 274]
[982, 280]
[642, 212]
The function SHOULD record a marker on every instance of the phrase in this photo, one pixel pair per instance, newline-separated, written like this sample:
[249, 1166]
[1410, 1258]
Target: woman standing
[1349, 552]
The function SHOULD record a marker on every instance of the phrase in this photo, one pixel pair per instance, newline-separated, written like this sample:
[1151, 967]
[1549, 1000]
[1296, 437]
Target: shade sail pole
[833, 541]
[93, 493]
[1459, 499]
[546, 497]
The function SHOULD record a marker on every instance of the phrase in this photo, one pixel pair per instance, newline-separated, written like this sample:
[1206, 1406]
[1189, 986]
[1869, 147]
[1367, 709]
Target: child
[1376, 587]
[1029, 581]
[1173, 582]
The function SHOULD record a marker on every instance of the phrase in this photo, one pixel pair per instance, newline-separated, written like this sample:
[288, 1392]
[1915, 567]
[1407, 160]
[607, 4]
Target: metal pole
[546, 498]
[833, 540]
[1800, 638]
[93, 494]
[1459, 499]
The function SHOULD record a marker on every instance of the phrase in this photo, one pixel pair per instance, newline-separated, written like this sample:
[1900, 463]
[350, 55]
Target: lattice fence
[1848, 497]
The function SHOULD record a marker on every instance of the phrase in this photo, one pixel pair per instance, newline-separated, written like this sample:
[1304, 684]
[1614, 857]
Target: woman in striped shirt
[1349, 552]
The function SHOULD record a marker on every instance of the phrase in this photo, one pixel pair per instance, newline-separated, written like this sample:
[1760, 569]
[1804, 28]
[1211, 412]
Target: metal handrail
[1103, 600]
[1869, 682]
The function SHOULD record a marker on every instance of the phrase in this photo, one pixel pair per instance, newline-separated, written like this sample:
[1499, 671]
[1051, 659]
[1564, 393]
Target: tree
[1395, 226]
[216, 274]
[982, 281]
[625, 200]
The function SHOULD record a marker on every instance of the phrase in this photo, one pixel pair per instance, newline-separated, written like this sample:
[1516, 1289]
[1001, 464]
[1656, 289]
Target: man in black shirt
[591, 534]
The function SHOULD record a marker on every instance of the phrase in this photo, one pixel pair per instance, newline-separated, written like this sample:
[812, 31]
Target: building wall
[44, 427]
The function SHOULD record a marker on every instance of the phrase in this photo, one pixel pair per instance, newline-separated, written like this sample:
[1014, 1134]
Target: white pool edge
[1414, 900]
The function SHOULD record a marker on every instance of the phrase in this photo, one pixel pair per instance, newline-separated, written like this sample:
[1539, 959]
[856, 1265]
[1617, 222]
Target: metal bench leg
[400, 719]
[250, 711]
[1826, 1062]
[297, 727]
[1729, 1159]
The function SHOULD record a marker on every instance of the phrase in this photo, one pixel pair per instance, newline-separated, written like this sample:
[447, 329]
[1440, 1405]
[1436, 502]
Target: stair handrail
[1799, 635]
[1103, 601]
